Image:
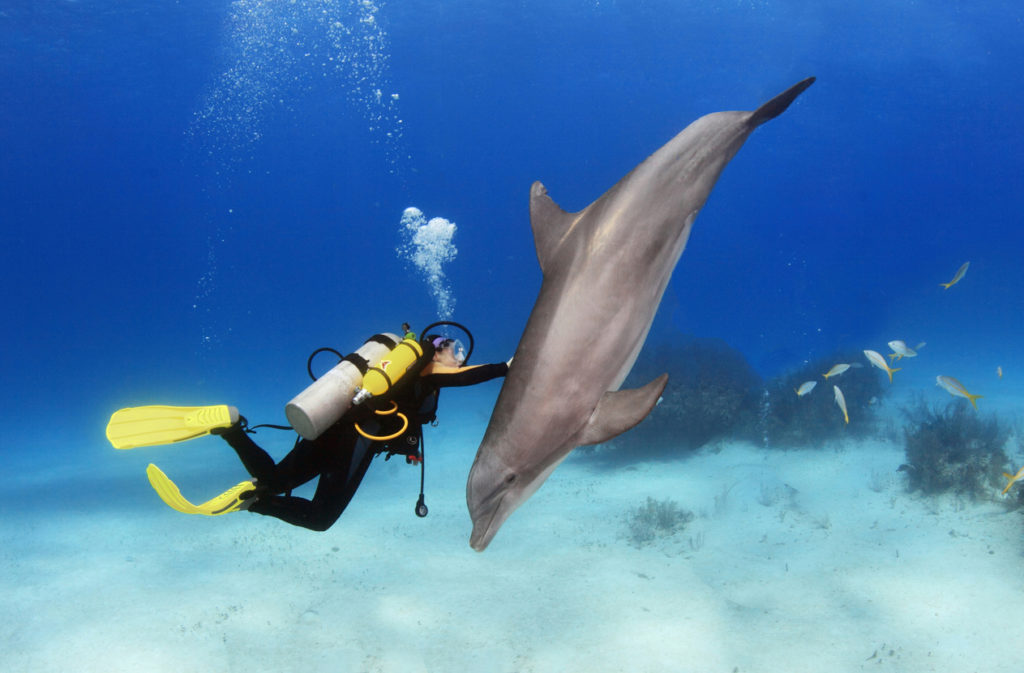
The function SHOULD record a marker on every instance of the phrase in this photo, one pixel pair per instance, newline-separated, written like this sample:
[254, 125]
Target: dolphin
[604, 269]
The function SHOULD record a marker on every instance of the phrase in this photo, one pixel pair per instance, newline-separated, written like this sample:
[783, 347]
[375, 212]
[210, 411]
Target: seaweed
[953, 450]
[712, 391]
[654, 519]
[789, 420]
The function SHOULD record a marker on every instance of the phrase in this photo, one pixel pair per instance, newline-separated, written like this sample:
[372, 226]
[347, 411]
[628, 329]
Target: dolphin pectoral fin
[620, 410]
[550, 224]
[778, 105]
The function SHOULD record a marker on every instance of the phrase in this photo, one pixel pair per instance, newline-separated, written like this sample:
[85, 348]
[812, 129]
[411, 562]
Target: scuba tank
[326, 400]
[385, 373]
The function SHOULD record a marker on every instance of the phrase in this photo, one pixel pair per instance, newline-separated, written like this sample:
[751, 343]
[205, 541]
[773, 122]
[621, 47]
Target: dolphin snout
[486, 488]
[482, 535]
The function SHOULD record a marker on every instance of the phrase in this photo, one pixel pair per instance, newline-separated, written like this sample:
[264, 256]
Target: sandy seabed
[794, 561]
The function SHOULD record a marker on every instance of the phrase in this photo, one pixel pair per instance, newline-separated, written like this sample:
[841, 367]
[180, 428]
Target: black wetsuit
[341, 456]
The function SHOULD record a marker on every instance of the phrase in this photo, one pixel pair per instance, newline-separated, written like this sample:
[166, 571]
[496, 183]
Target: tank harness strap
[361, 363]
[358, 360]
[383, 339]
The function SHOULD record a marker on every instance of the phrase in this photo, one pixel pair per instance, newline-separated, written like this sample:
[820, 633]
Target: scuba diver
[344, 419]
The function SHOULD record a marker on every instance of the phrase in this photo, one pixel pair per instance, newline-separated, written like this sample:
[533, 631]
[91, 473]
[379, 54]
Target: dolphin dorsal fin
[620, 410]
[550, 224]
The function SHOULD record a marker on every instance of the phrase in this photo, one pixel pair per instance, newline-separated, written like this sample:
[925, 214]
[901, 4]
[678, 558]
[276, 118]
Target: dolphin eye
[510, 478]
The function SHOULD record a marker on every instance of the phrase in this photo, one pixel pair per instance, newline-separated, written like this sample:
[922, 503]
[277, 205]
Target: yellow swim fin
[148, 426]
[228, 501]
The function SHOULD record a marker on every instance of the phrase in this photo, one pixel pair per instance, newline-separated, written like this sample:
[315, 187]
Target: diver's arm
[442, 376]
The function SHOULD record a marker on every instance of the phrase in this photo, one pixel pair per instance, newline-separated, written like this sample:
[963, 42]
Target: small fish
[901, 350]
[836, 370]
[958, 277]
[875, 358]
[954, 387]
[1014, 478]
[841, 401]
[999, 371]
[805, 387]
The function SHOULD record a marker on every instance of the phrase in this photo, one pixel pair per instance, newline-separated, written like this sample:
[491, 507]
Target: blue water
[152, 250]
[195, 195]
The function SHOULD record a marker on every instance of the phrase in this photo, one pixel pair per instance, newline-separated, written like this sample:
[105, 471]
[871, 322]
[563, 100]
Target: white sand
[794, 562]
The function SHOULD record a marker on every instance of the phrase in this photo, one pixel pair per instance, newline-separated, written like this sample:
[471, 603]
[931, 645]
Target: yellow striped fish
[901, 350]
[958, 277]
[875, 358]
[841, 401]
[805, 387]
[1014, 478]
[954, 387]
[836, 370]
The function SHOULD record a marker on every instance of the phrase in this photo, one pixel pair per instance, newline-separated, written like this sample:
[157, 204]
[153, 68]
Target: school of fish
[901, 350]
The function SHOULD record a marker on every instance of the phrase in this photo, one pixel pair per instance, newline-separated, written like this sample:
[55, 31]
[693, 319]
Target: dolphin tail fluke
[778, 105]
[620, 410]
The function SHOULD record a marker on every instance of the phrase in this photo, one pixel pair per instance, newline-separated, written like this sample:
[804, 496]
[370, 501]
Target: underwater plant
[654, 519]
[953, 449]
[791, 420]
[712, 390]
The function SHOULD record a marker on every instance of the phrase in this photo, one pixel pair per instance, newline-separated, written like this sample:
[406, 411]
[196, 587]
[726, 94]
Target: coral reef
[953, 449]
[789, 420]
[712, 390]
[656, 519]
